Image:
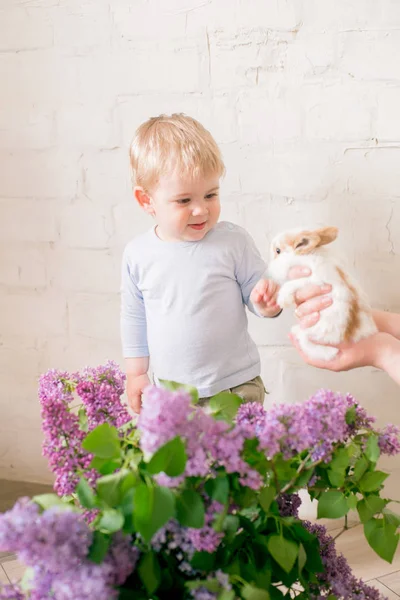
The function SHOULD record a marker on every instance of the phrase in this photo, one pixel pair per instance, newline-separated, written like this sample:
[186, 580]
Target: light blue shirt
[183, 304]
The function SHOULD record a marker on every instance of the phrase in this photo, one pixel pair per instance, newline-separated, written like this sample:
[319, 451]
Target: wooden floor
[363, 561]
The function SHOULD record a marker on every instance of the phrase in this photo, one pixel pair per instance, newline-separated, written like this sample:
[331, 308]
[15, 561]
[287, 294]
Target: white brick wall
[303, 98]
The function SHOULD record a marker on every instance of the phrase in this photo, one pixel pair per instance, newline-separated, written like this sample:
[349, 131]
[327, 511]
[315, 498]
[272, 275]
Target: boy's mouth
[198, 226]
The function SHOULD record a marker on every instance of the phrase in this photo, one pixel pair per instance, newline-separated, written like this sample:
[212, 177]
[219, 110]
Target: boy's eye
[183, 200]
[209, 196]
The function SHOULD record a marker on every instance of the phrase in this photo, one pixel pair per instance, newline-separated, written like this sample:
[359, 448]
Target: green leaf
[83, 421]
[369, 506]
[302, 557]
[203, 561]
[372, 451]
[46, 501]
[170, 459]
[153, 507]
[149, 572]
[105, 466]
[85, 494]
[230, 527]
[340, 460]
[99, 547]
[266, 497]
[338, 466]
[382, 538]
[351, 415]
[352, 501]
[190, 509]
[249, 592]
[110, 487]
[370, 482]
[390, 517]
[337, 478]
[218, 489]
[110, 521]
[360, 468]
[225, 404]
[227, 595]
[284, 471]
[174, 385]
[283, 551]
[103, 442]
[212, 585]
[332, 504]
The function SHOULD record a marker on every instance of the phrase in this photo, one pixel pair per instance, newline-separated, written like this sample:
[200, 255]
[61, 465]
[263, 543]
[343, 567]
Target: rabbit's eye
[278, 250]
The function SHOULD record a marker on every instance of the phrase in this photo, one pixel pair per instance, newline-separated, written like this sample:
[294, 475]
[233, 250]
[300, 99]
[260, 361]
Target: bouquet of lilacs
[194, 503]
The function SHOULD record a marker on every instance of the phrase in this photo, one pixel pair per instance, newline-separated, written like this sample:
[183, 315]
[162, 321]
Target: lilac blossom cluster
[100, 390]
[315, 426]
[337, 578]
[202, 593]
[55, 544]
[184, 542]
[167, 414]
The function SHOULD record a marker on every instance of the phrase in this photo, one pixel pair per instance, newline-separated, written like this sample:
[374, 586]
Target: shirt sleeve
[133, 315]
[251, 268]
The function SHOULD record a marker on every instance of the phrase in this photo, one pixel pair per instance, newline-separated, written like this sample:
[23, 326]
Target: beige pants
[251, 391]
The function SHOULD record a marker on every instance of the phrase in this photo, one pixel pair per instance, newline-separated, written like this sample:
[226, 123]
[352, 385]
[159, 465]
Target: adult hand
[367, 352]
[311, 299]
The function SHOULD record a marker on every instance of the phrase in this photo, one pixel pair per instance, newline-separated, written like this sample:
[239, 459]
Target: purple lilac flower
[100, 389]
[166, 414]
[11, 592]
[174, 538]
[207, 539]
[289, 505]
[337, 577]
[202, 593]
[253, 415]
[315, 425]
[389, 442]
[35, 536]
[56, 543]
[62, 435]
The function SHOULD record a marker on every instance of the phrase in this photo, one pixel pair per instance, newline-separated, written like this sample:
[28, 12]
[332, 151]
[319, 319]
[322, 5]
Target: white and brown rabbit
[349, 317]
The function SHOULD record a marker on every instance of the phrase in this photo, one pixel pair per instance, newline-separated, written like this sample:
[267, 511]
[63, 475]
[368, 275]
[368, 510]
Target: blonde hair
[165, 143]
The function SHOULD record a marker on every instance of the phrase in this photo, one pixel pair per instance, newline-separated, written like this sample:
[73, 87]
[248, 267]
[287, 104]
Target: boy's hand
[264, 297]
[135, 384]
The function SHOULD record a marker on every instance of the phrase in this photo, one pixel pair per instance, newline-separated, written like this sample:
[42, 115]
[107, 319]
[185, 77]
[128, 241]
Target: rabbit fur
[349, 318]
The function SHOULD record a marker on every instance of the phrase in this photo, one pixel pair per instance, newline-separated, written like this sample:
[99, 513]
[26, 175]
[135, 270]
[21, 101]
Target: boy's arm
[133, 335]
[387, 322]
[249, 275]
[136, 380]
[258, 297]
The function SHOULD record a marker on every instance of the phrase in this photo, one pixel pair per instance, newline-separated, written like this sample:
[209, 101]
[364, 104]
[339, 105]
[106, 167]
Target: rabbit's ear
[327, 235]
[306, 241]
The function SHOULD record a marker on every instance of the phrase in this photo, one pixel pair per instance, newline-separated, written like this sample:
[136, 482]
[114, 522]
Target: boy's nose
[200, 208]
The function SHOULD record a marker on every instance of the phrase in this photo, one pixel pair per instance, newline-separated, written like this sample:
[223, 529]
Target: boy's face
[185, 208]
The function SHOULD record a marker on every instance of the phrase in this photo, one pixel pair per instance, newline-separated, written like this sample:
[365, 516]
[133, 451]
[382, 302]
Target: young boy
[185, 283]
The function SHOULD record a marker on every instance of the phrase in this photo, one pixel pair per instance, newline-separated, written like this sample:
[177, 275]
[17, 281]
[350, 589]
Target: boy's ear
[143, 199]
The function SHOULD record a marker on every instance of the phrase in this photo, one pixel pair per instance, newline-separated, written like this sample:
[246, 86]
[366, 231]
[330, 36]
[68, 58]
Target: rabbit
[349, 318]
